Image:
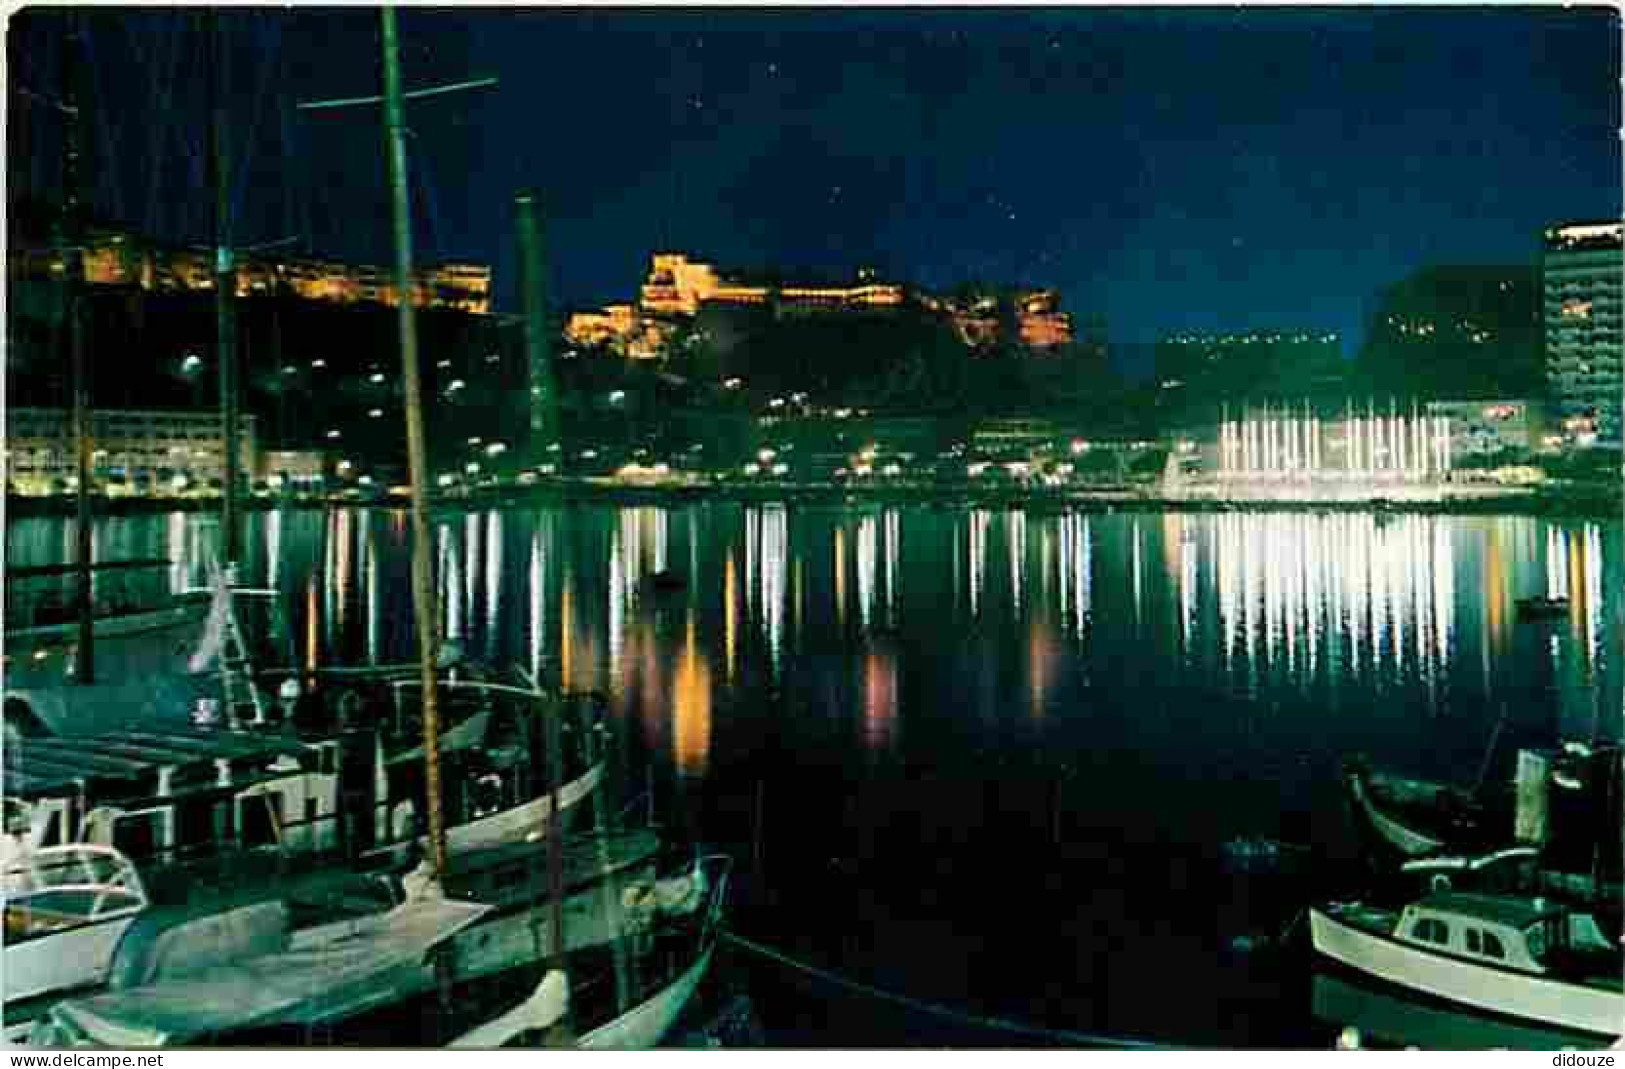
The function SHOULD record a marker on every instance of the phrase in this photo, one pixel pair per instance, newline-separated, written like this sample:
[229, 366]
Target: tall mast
[73, 243]
[423, 603]
[225, 297]
[544, 430]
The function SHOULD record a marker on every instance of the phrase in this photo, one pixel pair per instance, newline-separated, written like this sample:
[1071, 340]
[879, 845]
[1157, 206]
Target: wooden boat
[1395, 829]
[136, 632]
[647, 1020]
[363, 984]
[324, 973]
[1528, 959]
[164, 798]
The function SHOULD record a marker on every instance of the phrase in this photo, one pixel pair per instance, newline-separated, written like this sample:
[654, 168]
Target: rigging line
[164, 76]
[273, 61]
[431, 204]
[935, 1009]
[105, 175]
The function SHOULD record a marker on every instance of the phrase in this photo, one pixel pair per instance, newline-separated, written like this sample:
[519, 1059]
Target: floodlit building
[116, 258]
[1485, 428]
[1583, 288]
[132, 451]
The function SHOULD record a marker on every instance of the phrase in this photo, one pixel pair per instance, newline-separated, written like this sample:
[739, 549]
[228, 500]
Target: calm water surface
[988, 757]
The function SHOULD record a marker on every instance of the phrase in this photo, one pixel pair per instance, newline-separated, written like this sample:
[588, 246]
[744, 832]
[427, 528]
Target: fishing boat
[670, 974]
[173, 798]
[372, 981]
[219, 984]
[1530, 959]
[1559, 804]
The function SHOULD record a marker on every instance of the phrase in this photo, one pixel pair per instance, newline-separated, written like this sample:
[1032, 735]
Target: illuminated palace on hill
[114, 258]
[677, 289]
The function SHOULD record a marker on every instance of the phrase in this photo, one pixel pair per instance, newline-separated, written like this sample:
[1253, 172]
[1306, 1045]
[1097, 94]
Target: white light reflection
[493, 581]
[369, 568]
[1015, 537]
[273, 548]
[976, 550]
[893, 541]
[1289, 586]
[867, 538]
[772, 562]
[471, 573]
[538, 599]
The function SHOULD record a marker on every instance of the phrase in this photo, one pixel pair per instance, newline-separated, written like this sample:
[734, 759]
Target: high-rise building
[1583, 289]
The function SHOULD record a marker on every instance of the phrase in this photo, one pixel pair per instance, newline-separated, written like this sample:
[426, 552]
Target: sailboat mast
[225, 298]
[73, 243]
[543, 421]
[423, 602]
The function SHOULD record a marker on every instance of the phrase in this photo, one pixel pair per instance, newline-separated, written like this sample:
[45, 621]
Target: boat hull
[1407, 840]
[647, 1023]
[63, 961]
[1538, 999]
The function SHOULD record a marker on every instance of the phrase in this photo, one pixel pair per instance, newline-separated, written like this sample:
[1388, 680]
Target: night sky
[1168, 169]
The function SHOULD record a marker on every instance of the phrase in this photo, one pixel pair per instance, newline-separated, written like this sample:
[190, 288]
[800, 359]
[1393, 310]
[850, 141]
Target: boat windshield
[74, 881]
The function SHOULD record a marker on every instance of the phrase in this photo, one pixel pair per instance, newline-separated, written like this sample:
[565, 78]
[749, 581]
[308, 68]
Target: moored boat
[1525, 958]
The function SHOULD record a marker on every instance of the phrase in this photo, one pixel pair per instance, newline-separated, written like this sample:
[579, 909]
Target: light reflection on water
[1416, 608]
[937, 677]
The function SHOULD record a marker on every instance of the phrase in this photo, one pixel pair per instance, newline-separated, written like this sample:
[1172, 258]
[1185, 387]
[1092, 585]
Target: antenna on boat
[423, 591]
[73, 235]
[225, 298]
[423, 604]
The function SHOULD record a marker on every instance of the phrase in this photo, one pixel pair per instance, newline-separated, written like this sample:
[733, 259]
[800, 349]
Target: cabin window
[53, 830]
[1472, 941]
[1493, 947]
[137, 835]
[194, 824]
[1431, 930]
[262, 820]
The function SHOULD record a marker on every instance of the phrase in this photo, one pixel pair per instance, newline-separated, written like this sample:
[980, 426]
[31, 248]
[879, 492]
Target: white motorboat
[66, 909]
[1524, 958]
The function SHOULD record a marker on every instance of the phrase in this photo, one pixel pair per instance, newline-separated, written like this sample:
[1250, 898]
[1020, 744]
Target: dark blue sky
[1168, 169]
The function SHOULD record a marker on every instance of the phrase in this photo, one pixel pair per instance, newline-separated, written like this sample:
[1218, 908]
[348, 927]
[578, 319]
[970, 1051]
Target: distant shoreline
[1592, 502]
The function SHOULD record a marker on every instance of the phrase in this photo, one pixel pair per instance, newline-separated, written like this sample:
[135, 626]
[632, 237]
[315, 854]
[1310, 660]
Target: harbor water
[989, 758]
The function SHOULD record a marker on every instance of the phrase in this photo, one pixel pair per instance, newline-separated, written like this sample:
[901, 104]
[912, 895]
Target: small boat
[1398, 830]
[1525, 958]
[318, 975]
[665, 993]
[371, 982]
[66, 910]
[1542, 607]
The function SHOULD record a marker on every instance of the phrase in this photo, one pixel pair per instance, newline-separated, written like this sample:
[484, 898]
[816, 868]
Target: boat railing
[70, 874]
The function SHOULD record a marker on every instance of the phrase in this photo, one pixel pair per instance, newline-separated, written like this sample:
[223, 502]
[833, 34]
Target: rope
[934, 1009]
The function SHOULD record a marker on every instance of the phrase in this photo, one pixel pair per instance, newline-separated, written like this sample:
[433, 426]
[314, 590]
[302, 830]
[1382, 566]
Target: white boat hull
[62, 961]
[1541, 999]
[646, 1024]
[1406, 840]
[592, 917]
[527, 822]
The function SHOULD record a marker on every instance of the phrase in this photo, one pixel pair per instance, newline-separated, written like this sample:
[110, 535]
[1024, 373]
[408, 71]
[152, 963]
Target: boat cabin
[66, 887]
[161, 798]
[1530, 935]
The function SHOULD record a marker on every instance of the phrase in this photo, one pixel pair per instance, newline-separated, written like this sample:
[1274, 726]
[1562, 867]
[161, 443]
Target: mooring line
[994, 1024]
